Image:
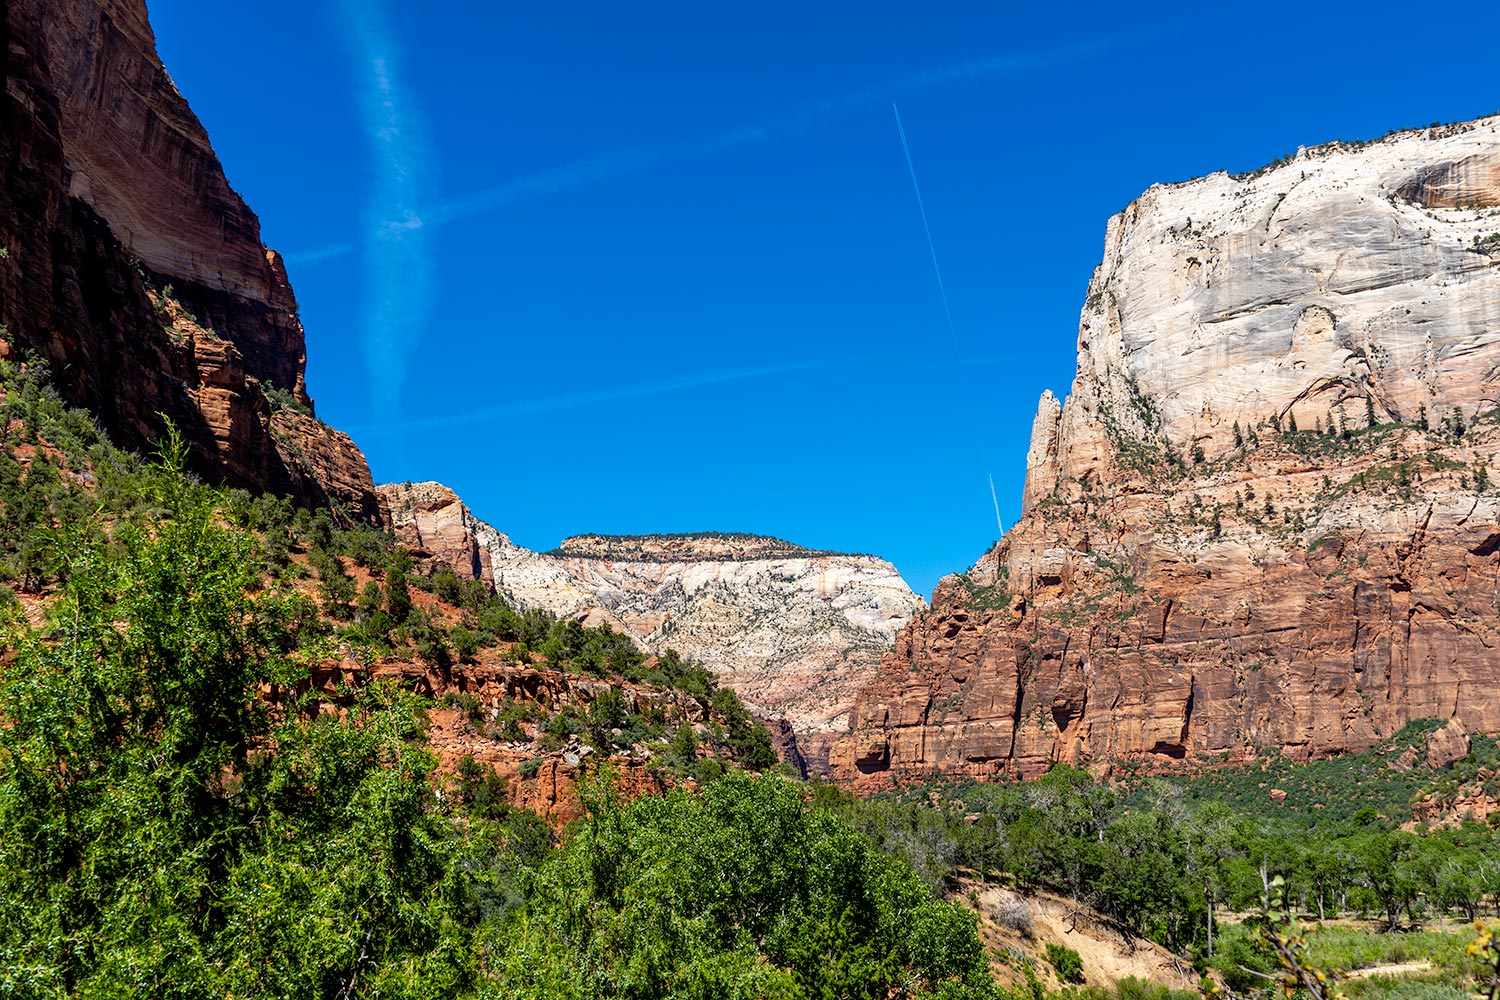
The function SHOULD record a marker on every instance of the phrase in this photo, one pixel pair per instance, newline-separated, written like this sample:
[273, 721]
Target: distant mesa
[794, 630]
[728, 546]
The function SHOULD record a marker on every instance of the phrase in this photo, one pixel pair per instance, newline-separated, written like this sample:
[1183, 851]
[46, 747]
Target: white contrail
[398, 267]
[999, 526]
[552, 404]
[925, 227]
[615, 163]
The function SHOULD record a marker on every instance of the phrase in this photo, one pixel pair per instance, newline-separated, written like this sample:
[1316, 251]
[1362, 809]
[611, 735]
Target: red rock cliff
[1266, 515]
[133, 268]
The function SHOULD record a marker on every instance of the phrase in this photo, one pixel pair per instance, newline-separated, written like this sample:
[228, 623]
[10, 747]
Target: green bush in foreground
[1067, 962]
[166, 831]
[162, 834]
[742, 890]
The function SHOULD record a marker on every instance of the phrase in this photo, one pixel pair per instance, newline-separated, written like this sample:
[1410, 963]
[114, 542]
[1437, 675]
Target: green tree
[740, 891]
[748, 739]
[336, 587]
[151, 844]
[397, 595]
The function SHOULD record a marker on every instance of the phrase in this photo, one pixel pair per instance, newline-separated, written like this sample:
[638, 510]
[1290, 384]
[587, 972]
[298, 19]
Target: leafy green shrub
[397, 595]
[559, 729]
[467, 703]
[743, 891]
[432, 645]
[1415, 990]
[446, 585]
[747, 738]
[465, 643]
[1066, 962]
[481, 789]
[681, 753]
[1134, 988]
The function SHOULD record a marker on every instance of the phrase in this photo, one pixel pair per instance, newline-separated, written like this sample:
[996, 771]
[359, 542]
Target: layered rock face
[1265, 515]
[1344, 275]
[431, 518]
[134, 270]
[795, 632]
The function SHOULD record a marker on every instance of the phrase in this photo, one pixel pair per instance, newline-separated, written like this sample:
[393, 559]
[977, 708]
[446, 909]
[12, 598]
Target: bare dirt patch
[1108, 954]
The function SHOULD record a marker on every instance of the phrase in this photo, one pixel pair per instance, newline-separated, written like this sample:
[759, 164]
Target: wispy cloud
[683, 383]
[398, 267]
[319, 253]
[632, 159]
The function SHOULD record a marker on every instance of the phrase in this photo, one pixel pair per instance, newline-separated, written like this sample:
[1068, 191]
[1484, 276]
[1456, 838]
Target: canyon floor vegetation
[183, 814]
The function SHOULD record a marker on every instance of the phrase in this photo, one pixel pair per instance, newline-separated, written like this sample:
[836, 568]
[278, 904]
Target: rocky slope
[136, 272]
[431, 518]
[1265, 515]
[795, 632]
[495, 712]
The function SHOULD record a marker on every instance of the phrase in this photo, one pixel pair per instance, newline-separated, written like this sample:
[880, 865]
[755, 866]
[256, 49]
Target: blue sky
[651, 268]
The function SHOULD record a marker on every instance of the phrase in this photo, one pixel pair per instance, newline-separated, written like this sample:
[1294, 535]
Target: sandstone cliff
[1265, 515]
[795, 632]
[136, 272]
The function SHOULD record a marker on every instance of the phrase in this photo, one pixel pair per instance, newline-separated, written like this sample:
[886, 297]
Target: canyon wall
[1266, 514]
[133, 269]
[793, 631]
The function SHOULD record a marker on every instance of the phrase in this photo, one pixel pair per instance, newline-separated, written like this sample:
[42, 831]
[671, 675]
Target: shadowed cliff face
[1266, 516]
[135, 271]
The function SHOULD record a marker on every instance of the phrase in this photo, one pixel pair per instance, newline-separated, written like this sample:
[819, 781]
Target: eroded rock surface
[1266, 515]
[795, 632]
[136, 272]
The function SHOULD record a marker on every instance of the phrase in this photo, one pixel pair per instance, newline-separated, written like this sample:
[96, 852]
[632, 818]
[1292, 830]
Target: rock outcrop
[1447, 746]
[1265, 516]
[133, 269]
[495, 711]
[431, 518]
[794, 631]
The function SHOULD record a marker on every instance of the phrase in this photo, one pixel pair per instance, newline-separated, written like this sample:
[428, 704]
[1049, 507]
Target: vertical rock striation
[136, 272]
[1266, 514]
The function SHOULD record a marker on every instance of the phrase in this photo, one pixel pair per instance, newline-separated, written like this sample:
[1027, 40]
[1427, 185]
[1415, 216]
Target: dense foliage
[180, 815]
[743, 890]
[162, 831]
[1350, 788]
[176, 820]
[1167, 863]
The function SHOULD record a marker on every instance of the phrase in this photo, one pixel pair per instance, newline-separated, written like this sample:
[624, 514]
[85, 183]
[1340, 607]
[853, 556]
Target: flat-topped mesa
[688, 547]
[795, 631]
[1266, 515]
[1348, 280]
[135, 270]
